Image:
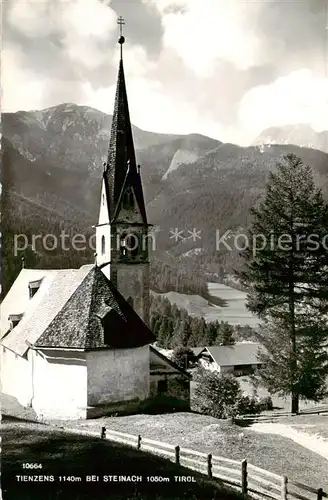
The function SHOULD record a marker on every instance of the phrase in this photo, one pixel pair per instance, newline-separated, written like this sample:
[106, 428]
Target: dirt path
[312, 442]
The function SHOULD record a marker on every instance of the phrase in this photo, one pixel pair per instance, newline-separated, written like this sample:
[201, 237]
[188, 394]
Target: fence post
[244, 476]
[103, 433]
[177, 454]
[284, 482]
[139, 442]
[320, 494]
[209, 465]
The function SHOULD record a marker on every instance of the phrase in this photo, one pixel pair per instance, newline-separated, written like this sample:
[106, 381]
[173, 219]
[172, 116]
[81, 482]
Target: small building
[238, 359]
[169, 383]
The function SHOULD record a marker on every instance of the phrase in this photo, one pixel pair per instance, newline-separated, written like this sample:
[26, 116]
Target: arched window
[128, 199]
[132, 244]
[123, 250]
[103, 244]
[103, 199]
[130, 301]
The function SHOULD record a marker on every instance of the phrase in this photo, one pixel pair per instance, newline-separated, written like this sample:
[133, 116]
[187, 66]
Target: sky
[223, 68]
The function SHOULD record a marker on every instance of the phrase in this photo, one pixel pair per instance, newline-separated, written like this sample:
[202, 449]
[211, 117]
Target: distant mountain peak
[299, 134]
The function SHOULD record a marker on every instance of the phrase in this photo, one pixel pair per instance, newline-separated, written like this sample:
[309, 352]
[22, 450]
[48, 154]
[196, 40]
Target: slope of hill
[298, 134]
[233, 311]
[192, 148]
[216, 193]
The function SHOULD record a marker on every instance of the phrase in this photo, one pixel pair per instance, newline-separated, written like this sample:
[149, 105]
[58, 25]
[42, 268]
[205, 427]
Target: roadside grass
[64, 454]
[219, 437]
[310, 424]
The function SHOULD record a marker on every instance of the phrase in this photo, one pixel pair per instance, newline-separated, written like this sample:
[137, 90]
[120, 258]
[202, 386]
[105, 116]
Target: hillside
[52, 164]
[233, 309]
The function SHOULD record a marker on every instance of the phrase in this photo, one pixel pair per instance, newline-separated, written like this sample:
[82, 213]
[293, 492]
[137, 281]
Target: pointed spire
[121, 155]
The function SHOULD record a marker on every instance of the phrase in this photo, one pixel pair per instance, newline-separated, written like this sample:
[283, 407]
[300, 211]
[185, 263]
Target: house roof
[168, 361]
[96, 316]
[70, 310]
[197, 350]
[241, 353]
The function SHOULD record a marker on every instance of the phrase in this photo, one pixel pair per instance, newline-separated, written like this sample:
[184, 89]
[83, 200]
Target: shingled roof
[96, 316]
[57, 286]
[121, 153]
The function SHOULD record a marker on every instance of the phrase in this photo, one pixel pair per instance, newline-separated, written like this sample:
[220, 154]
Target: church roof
[121, 167]
[70, 310]
[56, 287]
[96, 316]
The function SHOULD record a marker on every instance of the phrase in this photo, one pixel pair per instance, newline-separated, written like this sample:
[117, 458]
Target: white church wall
[103, 232]
[16, 376]
[118, 375]
[59, 384]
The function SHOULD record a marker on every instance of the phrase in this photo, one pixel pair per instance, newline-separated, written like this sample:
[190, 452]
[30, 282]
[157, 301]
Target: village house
[238, 359]
[75, 343]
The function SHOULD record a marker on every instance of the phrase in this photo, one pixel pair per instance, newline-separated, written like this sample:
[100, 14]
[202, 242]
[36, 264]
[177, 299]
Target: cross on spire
[121, 22]
[121, 40]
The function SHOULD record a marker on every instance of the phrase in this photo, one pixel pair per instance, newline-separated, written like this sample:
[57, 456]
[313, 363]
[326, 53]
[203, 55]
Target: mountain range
[53, 160]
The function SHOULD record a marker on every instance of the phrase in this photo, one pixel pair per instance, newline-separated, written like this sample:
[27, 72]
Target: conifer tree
[163, 337]
[212, 333]
[183, 334]
[286, 264]
[226, 334]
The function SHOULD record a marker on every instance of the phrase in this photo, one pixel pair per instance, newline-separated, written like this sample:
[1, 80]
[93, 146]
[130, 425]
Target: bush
[265, 403]
[246, 405]
[216, 394]
[182, 356]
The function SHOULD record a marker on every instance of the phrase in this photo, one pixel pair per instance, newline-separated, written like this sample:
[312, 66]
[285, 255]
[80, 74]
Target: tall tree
[286, 260]
[226, 334]
[183, 333]
[312, 360]
[164, 333]
[198, 332]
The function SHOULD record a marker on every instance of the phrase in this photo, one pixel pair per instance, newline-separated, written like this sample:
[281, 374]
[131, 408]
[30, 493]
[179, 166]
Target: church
[76, 343]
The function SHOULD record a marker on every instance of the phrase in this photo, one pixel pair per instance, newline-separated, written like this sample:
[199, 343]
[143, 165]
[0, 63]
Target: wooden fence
[247, 478]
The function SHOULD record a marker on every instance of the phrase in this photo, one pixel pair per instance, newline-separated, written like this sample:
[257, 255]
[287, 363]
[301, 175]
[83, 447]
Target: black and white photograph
[164, 244]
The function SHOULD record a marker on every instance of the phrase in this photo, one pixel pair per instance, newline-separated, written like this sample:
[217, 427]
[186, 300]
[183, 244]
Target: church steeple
[121, 169]
[122, 229]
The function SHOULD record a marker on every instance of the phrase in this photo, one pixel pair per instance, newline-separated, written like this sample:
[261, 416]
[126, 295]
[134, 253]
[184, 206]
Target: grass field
[234, 310]
[208, 434]
[76, 456]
